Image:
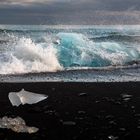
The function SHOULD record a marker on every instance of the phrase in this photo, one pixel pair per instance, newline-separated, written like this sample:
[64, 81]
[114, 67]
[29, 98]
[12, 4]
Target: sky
[64, 12]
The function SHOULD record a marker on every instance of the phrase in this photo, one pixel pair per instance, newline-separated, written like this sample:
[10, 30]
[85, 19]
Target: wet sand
[76, 111]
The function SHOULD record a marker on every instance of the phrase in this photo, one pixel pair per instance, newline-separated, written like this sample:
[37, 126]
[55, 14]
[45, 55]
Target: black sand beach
[76, 111]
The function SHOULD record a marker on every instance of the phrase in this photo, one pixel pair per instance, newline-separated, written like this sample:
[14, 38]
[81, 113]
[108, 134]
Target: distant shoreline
[73, 25]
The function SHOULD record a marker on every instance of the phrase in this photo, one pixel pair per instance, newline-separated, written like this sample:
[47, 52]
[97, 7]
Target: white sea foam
[26, 56]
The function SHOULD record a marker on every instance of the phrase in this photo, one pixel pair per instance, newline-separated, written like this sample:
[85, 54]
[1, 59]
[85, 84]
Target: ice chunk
[17, 125]
[113, 137]
[25, 97]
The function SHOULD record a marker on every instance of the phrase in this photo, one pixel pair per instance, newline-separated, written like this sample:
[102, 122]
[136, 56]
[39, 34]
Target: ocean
[101, 51]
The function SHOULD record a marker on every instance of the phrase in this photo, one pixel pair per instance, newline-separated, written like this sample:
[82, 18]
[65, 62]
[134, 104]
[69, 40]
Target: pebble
[71, 123]
[122, 129]
[83, 94]
[81, 112]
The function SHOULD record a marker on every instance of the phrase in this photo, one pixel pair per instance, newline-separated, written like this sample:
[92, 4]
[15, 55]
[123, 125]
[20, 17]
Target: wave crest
[77, 49]
[26, 56]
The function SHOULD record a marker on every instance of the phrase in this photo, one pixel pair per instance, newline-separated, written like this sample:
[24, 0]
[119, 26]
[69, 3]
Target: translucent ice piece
[17, 125]
[25, 97]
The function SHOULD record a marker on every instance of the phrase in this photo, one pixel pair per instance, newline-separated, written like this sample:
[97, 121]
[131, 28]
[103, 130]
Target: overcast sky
[70, 12]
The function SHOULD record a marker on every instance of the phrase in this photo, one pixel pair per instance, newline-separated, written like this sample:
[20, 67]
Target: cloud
[26, 2]
[70, 11]
[114, 5]
[23, 2]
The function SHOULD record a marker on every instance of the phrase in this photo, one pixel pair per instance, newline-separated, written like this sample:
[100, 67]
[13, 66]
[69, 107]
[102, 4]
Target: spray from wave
[63, 50]
[25, 56]
[77, 49]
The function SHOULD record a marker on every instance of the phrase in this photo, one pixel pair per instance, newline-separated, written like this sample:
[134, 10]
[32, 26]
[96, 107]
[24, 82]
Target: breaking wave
[63, 50]
[26, 56]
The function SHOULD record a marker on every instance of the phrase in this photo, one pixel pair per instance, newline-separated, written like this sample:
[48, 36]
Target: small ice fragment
[112, 137]
[17, 125]
[126, 96]
[25, 97]
[112, 123]
[127, 99]
[82, 94]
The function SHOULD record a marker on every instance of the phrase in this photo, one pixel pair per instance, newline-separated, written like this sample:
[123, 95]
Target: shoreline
[84, 75]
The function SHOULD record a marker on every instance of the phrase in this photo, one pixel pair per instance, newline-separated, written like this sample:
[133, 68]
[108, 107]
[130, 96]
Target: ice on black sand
[25, 97]
[113, 137]
[126, 97]
[17, 125]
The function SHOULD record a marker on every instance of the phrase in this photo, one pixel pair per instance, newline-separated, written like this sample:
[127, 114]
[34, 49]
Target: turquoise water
[25, 49]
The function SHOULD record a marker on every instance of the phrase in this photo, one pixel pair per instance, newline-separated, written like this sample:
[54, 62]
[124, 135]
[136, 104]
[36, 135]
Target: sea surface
[94, 53]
